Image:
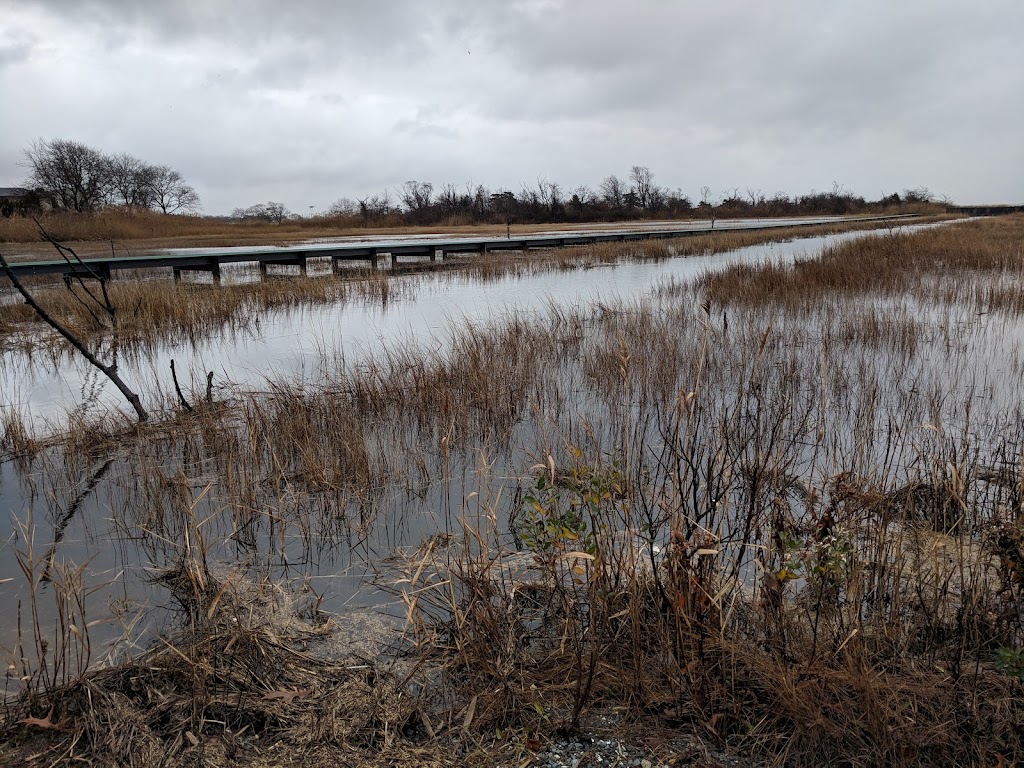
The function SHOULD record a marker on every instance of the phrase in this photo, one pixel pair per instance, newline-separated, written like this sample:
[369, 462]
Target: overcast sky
[306, 101]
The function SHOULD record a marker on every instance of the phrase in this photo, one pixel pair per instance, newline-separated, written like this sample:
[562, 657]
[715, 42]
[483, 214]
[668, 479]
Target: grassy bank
[779, 508]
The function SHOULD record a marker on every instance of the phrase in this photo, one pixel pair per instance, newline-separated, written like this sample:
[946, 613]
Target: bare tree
[546, 200]
[169, 192]
[270, 211]
[657, 198]
[277, 212]
[130, 180]
[532, 201]
[556, 207]
[707, 204]
[449, 199]
[582, 198]
[343, 206]
[417, 196]
[612, 192]
[375, 207]
[479, 199]
[917, 195]
[73, 176]
[258, 211]
[779, 204]
[643, 184]
[731, 196]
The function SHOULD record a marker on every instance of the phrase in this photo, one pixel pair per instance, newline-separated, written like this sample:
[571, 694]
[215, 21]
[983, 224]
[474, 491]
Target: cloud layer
[310, 101]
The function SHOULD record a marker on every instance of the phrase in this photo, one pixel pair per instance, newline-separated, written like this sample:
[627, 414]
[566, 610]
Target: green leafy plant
[826, 558]
[563, 512]
[1011, 661]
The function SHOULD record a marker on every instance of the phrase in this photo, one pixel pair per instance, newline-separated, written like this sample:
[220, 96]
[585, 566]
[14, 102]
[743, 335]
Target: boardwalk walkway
[211, 260]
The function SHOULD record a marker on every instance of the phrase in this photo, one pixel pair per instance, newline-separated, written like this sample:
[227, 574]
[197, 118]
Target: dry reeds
[926, 265]
[239, 683]
[783, 510]
[152, 310]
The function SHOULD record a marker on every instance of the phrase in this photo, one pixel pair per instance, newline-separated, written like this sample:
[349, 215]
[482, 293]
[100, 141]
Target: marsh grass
[156, 309]
[978, 263]
[781, 510]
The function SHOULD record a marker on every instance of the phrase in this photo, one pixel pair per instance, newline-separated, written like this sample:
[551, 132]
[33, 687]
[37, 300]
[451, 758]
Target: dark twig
[64, 250]
[177, 388]
[80, 300]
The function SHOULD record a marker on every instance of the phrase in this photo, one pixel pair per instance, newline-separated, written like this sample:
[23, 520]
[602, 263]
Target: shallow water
[288, 342]
[337, 556]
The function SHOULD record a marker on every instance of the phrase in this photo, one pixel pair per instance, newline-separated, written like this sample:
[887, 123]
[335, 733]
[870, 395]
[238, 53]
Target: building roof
[13, 191]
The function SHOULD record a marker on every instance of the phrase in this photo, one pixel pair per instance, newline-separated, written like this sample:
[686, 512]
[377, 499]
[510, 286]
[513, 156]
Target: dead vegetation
[241, 683]
[791, 526]
[918, 266]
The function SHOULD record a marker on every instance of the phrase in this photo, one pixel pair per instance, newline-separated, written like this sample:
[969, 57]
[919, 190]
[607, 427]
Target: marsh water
[422, 309]
[79, 509]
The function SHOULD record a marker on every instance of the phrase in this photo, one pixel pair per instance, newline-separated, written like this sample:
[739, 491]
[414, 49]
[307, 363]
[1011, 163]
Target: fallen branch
[110, 371]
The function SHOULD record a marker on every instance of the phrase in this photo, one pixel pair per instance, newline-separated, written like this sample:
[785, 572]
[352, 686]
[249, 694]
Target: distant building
[19, 200]
[14, 193]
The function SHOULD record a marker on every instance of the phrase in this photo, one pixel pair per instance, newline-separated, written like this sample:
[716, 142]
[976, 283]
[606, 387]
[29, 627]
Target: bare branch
[177, 388]
[110, 371]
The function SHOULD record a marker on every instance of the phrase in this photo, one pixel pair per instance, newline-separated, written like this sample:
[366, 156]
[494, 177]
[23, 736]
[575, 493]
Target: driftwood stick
[110, 371]
[177, 388]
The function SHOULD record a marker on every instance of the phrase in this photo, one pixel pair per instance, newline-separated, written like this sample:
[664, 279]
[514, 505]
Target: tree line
[637, 196]
[71, 176]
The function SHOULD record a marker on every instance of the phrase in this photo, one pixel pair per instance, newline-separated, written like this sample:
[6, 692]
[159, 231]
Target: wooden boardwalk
[211, 260]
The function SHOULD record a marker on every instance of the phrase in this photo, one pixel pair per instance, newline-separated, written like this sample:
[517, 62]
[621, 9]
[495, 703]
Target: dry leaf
[42, 722]
[470, 711]
[287, 695]
[576, 556]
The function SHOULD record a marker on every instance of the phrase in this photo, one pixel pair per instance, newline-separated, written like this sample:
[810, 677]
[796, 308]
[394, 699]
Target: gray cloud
[13, 53]
[309, 101]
